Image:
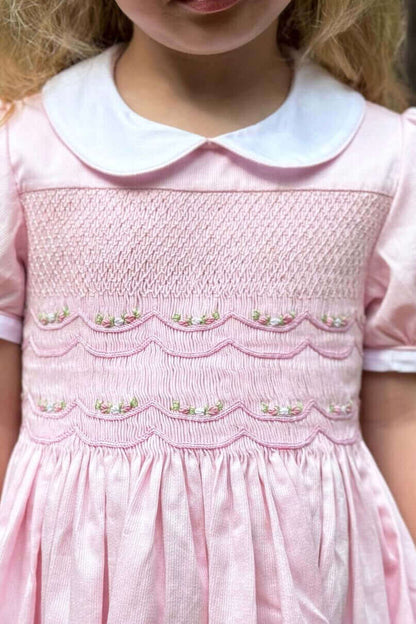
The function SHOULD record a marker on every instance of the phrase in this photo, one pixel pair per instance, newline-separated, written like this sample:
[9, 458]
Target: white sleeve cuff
[11, 328]
[401, 360]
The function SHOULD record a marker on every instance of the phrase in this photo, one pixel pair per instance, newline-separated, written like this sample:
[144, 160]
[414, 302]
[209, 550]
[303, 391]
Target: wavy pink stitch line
[309, 406]
[191, 328]
[75, 430]
[62, 436]
[340, 355]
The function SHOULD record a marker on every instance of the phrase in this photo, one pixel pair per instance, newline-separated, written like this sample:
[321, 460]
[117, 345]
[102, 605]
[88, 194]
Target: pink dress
[194, 315]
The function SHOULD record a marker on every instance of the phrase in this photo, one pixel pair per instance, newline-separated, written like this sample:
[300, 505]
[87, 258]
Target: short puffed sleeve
[13, 248]
[390, 292]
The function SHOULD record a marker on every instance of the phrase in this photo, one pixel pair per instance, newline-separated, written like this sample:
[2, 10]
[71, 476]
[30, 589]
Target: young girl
[208, 230]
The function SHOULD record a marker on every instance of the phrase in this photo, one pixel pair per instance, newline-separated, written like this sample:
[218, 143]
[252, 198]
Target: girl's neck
[205, 94]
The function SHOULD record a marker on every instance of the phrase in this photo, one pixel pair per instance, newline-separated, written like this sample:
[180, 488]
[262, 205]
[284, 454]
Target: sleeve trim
[401, 360]
[11, 328]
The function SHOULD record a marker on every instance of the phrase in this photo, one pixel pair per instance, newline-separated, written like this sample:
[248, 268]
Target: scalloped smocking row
[331, 354]
[152, 433]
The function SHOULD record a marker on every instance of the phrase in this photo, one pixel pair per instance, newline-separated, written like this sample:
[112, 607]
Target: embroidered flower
[205, 319]
[334, 321]
[282, 410]
[203, 411]
[44, 406]
[53, 317]
[341, 409]
[116, 321]
[265, 319]
[115, 408]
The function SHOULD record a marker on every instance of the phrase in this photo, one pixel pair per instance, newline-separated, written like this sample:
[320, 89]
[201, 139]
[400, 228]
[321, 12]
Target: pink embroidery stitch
[110, 408]
[280, 410]
[207, 410]
[53, 317]
[288, 317]
[126, 411]
[265, 319]
[44, 406]
[196, 320]
[341, 409]
[116, 321]
[284, 321]
[334, 321]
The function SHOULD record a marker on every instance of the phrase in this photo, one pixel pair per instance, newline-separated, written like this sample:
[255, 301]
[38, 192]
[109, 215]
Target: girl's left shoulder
[383, 150]
[388, 124]
[385, 126]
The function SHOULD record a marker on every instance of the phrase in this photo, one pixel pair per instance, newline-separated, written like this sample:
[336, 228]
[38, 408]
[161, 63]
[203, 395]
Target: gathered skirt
[239, 535]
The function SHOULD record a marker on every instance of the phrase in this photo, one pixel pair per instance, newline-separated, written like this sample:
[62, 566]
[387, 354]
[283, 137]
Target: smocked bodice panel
[195, 319]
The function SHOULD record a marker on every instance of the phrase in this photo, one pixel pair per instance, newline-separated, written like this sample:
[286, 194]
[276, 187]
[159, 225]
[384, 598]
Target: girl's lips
[208, 6]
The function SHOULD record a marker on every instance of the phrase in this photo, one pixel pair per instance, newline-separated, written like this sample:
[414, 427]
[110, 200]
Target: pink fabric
[152, 534]
[391, 283]
[240, 515]
[13, 247]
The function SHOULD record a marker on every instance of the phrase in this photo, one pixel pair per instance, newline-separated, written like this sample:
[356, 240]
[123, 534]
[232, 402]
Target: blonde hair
[358, 41]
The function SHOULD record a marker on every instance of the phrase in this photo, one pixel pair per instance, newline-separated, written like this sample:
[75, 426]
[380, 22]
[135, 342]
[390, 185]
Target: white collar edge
[94, 157]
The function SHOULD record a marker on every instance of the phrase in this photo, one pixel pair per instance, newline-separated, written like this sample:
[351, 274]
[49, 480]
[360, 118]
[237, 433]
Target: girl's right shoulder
[25, 135]
[26, 114]
[34, 150]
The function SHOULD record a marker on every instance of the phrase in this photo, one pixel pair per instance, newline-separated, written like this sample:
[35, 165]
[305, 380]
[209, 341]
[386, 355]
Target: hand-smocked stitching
[299, 245]
[74, 430]
[59, 352]
[330, 411]
[56, 320]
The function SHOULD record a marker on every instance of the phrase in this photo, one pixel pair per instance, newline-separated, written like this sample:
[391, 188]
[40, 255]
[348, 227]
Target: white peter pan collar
[316, 121]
